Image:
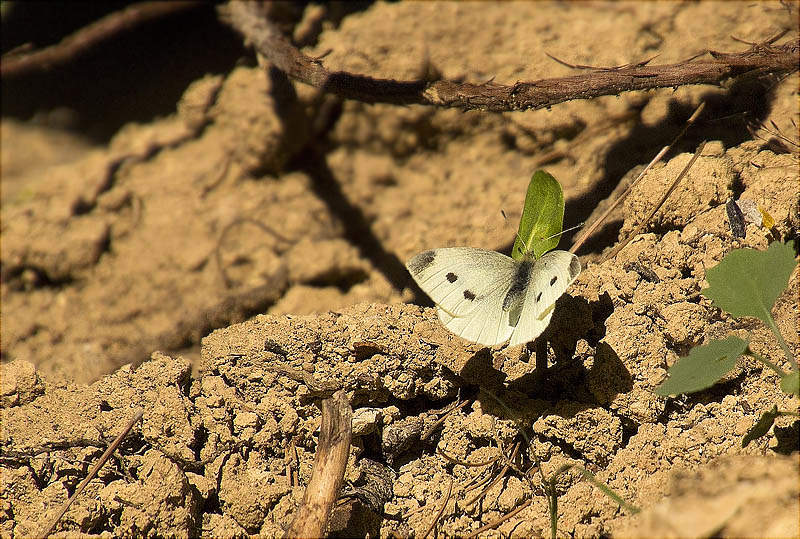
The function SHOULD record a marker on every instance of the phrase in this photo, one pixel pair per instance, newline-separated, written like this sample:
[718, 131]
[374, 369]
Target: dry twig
[494, 524]
[330, 462]
[497, 479]
[269, 42]
[430, 430]
[465, 463]
[441, 510]
[599, 220]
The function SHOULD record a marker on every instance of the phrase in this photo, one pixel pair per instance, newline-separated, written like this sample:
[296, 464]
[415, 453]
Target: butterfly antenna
[579, 225]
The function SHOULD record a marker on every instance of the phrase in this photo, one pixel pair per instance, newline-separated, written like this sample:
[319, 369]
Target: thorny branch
[267, 40]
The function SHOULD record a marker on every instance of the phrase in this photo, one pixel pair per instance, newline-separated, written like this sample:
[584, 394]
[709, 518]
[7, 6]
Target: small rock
[19, 384]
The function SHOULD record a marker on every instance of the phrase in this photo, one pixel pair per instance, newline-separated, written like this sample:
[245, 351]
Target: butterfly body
[487, 297]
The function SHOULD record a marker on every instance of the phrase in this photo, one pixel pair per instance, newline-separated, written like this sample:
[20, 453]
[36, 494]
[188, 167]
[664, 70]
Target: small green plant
[746, 282]
[552, 494]
[549, 484]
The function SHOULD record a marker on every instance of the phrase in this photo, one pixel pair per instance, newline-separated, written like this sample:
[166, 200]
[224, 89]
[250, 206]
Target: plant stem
[765, 361]
[774, 327]
[607, 491]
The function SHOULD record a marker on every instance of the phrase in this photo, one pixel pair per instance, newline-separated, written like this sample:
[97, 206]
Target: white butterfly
[487, 297]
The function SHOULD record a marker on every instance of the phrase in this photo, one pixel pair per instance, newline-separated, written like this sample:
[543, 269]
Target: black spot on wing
[518, 285]
[469, 295]
[452, 277]
[538, 297]
[553, 280]
[419, 263]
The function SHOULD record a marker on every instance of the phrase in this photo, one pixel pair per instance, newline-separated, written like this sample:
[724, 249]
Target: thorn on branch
[601, 68]
[318, 59]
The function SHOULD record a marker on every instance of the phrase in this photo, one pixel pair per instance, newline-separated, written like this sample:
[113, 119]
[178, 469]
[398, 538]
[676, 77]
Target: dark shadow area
[558, 375]
[479, 371]
[134, 76]
[137, 74]
[679, 404]
[788, 439]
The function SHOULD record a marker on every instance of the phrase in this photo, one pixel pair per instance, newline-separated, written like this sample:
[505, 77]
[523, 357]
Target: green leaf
[791, 383]
[761, 427]
[703, 367]
[542, 217]
[747, 282]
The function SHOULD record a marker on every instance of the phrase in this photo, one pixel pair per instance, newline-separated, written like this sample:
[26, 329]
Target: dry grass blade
[432, 428]
[660, 203]
[48, 529]
[465, 463]
[330, 462]
[441, 510]
[477, 482]
[597, 222]
[497, 479]
[496, 523]
[783, 142]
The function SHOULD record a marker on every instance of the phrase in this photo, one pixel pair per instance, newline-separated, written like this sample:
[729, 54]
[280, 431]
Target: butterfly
[487, 297]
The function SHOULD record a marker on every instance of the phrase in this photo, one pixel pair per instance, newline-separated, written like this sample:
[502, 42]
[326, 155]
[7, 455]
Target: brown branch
[327, 476]
[267, 40]
[87, 37]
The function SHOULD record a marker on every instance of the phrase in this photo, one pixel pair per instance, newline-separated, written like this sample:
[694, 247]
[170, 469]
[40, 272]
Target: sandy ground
[258, 227]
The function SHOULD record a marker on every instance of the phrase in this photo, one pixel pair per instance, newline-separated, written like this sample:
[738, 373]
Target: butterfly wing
[468, 286]
[549, 279]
